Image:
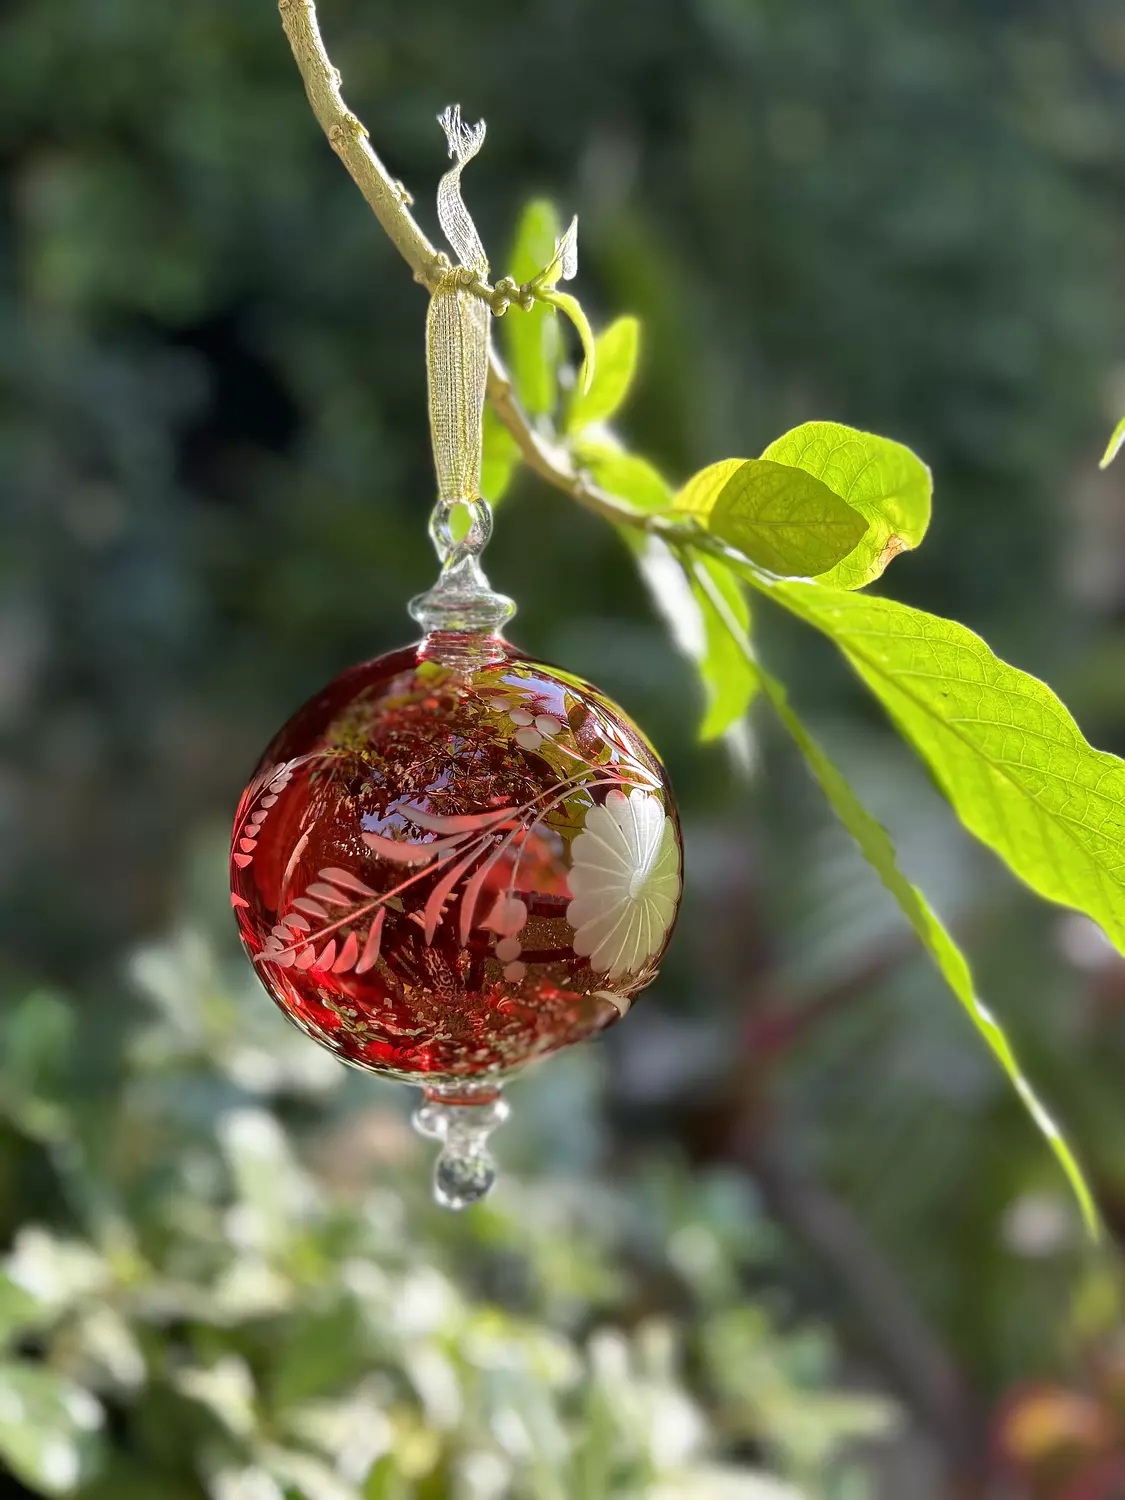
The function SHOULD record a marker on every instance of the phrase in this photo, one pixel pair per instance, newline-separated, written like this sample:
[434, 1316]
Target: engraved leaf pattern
[246, 835]
[335, 922]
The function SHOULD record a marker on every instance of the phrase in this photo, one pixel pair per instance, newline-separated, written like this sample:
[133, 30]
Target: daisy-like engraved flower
[625, 881]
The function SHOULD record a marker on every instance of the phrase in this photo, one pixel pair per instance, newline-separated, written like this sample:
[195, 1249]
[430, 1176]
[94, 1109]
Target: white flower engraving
[625, 882]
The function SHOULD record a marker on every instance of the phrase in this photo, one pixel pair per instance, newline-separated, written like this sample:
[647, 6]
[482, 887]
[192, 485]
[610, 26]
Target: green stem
[877, 849]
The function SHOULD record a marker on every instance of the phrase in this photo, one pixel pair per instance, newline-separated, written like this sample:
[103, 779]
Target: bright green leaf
[625, 475]
[226, 1388]
[729, 677]
[573, 309]
[888, 484]
[702, 490]
[726, 671]
[876, 846]
[500, 457]
[57, 1273]
[1114, 445]
[1008, 755]
[531, 339]
[386, 1481]
[784, 520]
[270, 1182]
[618, 348]
[48, 1428]
[302, 1474]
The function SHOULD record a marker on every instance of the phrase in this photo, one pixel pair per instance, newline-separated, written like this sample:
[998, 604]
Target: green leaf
[302, 1474]
[20, 1311]
[48, 1428]
[58, 1273]
[726, 671]
[531, 339]
[702, 490]
[273, 1188]
[225, 1388]
[888, 484]
[625, 475]
[124, 1478]
[1114, 445]
[573, 309]
[729, 676]
[500, 457]
[784, 520]
[386, 1480]
[35, 1046]
[876, 846]
[617, 349]
[1007, 754]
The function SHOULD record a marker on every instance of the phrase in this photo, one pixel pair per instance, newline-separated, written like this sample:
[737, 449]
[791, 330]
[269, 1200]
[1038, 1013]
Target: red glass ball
[454, 860]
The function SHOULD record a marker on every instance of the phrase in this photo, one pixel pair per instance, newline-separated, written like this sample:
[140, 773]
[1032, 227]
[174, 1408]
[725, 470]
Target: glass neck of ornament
[461, 613]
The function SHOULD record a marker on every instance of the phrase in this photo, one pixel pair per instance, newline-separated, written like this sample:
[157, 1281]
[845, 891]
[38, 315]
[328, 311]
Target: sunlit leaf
[57, 1273]
[1005, 751]
[876, 845]
[729, 676]
[302, 1474]
[1114, 445]
[625, 475]
[531, 339]
[386, 1481]
[229, 1483]
[500, 457]
[702, 490]
[225, 1388]
[573, 309]
[888, 484]
[617, 351]
[726, 672]
[49, 1428]
[274, 1191]
[784, 520]
[109, 1348]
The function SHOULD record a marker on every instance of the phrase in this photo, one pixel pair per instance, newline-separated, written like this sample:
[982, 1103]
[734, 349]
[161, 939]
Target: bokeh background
[784, 1233]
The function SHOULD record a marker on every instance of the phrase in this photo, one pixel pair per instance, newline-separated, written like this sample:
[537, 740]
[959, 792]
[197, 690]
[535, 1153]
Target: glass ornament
[454, 860]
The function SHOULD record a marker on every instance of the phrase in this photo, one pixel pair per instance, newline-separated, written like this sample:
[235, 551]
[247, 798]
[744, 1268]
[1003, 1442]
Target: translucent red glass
[452, 861]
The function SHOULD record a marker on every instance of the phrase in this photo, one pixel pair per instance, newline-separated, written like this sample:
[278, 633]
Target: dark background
[215, 477]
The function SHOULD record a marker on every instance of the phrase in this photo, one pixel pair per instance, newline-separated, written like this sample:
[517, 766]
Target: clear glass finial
[462, 1119]
[461, 599]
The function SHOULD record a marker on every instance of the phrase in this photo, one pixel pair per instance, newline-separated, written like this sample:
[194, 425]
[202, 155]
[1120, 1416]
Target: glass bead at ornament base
[449, 863]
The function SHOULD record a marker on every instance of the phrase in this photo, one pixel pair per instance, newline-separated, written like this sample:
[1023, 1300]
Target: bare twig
[390, 202]
[348, 138]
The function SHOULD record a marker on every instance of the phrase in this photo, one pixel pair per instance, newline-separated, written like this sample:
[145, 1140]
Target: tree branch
[348, 137]
[390, 202]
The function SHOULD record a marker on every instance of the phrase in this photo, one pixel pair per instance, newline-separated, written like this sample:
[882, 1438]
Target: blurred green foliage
[224, 1303]
[215, 474]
